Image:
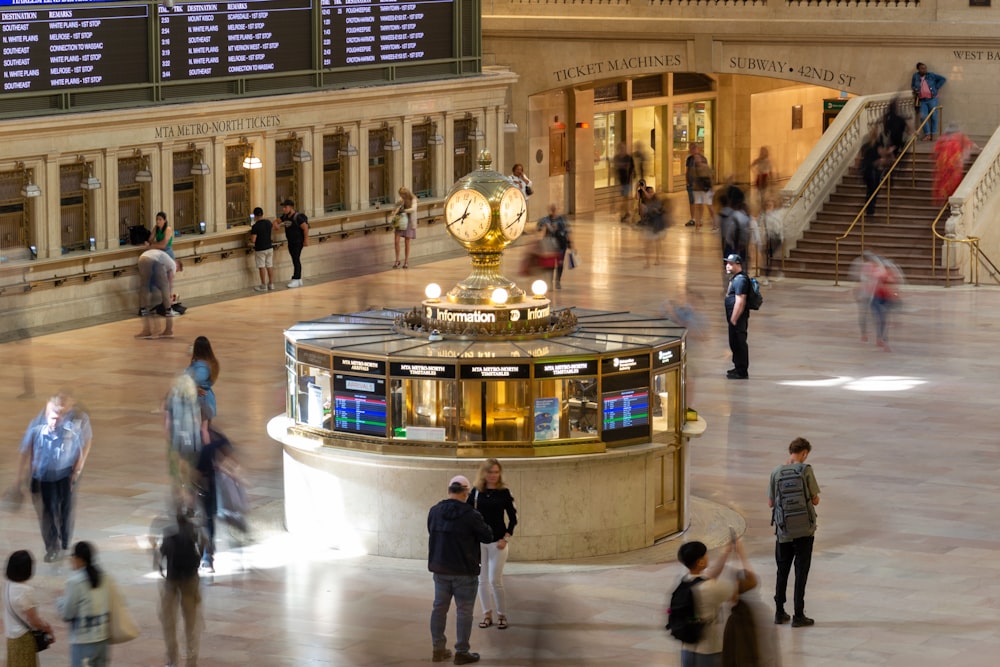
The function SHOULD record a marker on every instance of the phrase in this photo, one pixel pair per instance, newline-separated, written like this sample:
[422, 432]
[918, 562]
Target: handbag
[400, 221]
[528, 191]
[122, 627]
[42, 639]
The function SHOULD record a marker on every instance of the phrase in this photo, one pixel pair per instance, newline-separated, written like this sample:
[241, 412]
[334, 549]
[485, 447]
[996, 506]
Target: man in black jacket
[456, 529]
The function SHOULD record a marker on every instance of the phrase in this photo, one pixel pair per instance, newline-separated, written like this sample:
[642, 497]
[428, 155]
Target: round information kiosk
[585, 409]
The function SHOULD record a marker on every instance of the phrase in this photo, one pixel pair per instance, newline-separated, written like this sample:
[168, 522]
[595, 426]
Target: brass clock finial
[485, 158]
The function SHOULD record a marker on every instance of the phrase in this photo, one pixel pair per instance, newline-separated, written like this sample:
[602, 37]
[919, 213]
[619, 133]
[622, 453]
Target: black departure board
[74, 47]
[200, 40]
[368, 32]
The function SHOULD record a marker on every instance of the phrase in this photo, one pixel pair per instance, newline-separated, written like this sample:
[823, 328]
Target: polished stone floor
[906, 569]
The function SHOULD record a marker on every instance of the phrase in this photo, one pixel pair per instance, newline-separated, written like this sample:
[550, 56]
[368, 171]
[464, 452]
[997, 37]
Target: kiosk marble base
[569, 506]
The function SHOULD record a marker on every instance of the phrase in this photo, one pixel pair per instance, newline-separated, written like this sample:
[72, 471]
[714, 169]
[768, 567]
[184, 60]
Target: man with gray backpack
[792, 497]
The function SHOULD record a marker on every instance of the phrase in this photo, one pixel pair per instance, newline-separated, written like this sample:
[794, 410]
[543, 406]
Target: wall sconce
[435, 139]
[250, 161]
[392, 143]
[89, 181]
[144, 175]
[509, 126]
[476, 134]
[300, 154]
[346, 148]
[198, 165]
[28, 188]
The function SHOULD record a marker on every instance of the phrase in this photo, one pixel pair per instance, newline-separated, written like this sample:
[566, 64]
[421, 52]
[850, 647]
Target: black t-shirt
[738, 284]
[294, 233]
[262, 230]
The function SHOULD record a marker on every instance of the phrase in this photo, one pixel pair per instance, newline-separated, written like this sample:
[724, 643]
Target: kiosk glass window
[425, 404]
[565, 409]
[495, 411]
[312, 392]
[665, 402]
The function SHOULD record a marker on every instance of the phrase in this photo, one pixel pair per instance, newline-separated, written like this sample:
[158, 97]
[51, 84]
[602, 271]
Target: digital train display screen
[359, 405]
[66, 45]
[74, 47]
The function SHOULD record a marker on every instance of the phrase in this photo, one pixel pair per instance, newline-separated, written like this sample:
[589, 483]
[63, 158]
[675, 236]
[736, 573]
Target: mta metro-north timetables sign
[51, 46]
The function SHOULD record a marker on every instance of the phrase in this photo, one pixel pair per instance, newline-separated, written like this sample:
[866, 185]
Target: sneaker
[260, 288]
[143, 312]
[464, 658]
[780, 617]
[689, 223]
[294, 283]
[736, 375]
[170, 313]
[270, 287]
[441, 655]
[797, 622]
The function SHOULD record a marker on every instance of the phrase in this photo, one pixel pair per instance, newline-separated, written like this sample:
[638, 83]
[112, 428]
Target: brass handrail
[886, 181]
[972, 242]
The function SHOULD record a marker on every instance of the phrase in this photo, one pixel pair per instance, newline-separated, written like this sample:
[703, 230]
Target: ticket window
[665, 402]
[425, 404]
[565, 409]
[495, 411]
[312, 396]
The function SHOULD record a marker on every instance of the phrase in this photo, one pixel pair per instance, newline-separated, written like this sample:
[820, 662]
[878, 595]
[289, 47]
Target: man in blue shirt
[54, 452]
[925, 87]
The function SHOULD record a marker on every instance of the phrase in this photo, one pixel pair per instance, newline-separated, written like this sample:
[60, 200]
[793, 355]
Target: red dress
[950, 153]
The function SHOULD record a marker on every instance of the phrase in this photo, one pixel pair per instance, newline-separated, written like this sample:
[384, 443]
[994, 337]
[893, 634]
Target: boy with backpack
[792, 497]
[696, 614]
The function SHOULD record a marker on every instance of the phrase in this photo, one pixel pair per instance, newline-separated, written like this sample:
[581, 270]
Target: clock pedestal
[479, 286]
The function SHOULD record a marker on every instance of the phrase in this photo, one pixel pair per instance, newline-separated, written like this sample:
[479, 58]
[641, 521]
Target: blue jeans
[689, 659]
[463, 588]
[89, 655]
[880, 307]
[926, 106]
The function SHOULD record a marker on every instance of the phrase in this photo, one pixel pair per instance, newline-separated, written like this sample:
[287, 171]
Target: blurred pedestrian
[951, 153]
[406, 209]
[656, 219]
[872, 163]
[771, 220]
[895, 127]
[183, 425]
[263, 249]
[864, 271]
[181, 548]
[556, 240]
[762, 168]
[690, 177]
[86, 606]
[625, 173]
[455, 530]
[885, 297]
[204, 370]
[52, 456]
[491, 498]
[20, 612]
[215, 455]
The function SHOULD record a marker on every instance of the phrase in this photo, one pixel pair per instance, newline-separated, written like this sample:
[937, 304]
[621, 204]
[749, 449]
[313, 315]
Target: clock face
[513, 213]
[467, 215]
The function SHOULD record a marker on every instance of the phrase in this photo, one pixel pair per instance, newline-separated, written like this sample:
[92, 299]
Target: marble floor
[905, 570]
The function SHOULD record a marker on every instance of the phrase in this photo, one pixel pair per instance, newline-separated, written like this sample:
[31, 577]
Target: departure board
[201, 40]
[73, 47]
[359, 405]
[369, 32]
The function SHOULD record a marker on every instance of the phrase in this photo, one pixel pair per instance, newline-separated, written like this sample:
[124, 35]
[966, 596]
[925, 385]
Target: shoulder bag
[122, 627]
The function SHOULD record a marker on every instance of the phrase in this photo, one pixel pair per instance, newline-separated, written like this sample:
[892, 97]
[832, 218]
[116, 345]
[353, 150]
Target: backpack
[754, 298]
[682, 621]
[791, 516]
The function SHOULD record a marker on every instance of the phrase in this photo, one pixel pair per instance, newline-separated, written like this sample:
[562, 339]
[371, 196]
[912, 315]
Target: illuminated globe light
[539, 288]
[499, 296]
[432, 291]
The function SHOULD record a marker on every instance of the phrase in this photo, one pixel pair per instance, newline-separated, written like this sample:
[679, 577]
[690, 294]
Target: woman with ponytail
[86, 606]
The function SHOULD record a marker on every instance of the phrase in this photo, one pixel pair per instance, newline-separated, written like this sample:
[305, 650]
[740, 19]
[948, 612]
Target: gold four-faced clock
[513, 213]
[468, 215]
[485, 213]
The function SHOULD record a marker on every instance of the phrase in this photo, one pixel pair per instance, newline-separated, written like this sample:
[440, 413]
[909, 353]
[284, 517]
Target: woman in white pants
[493, 500]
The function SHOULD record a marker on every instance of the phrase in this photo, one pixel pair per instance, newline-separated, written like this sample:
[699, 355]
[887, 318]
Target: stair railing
[971, 242]
[886, 183]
